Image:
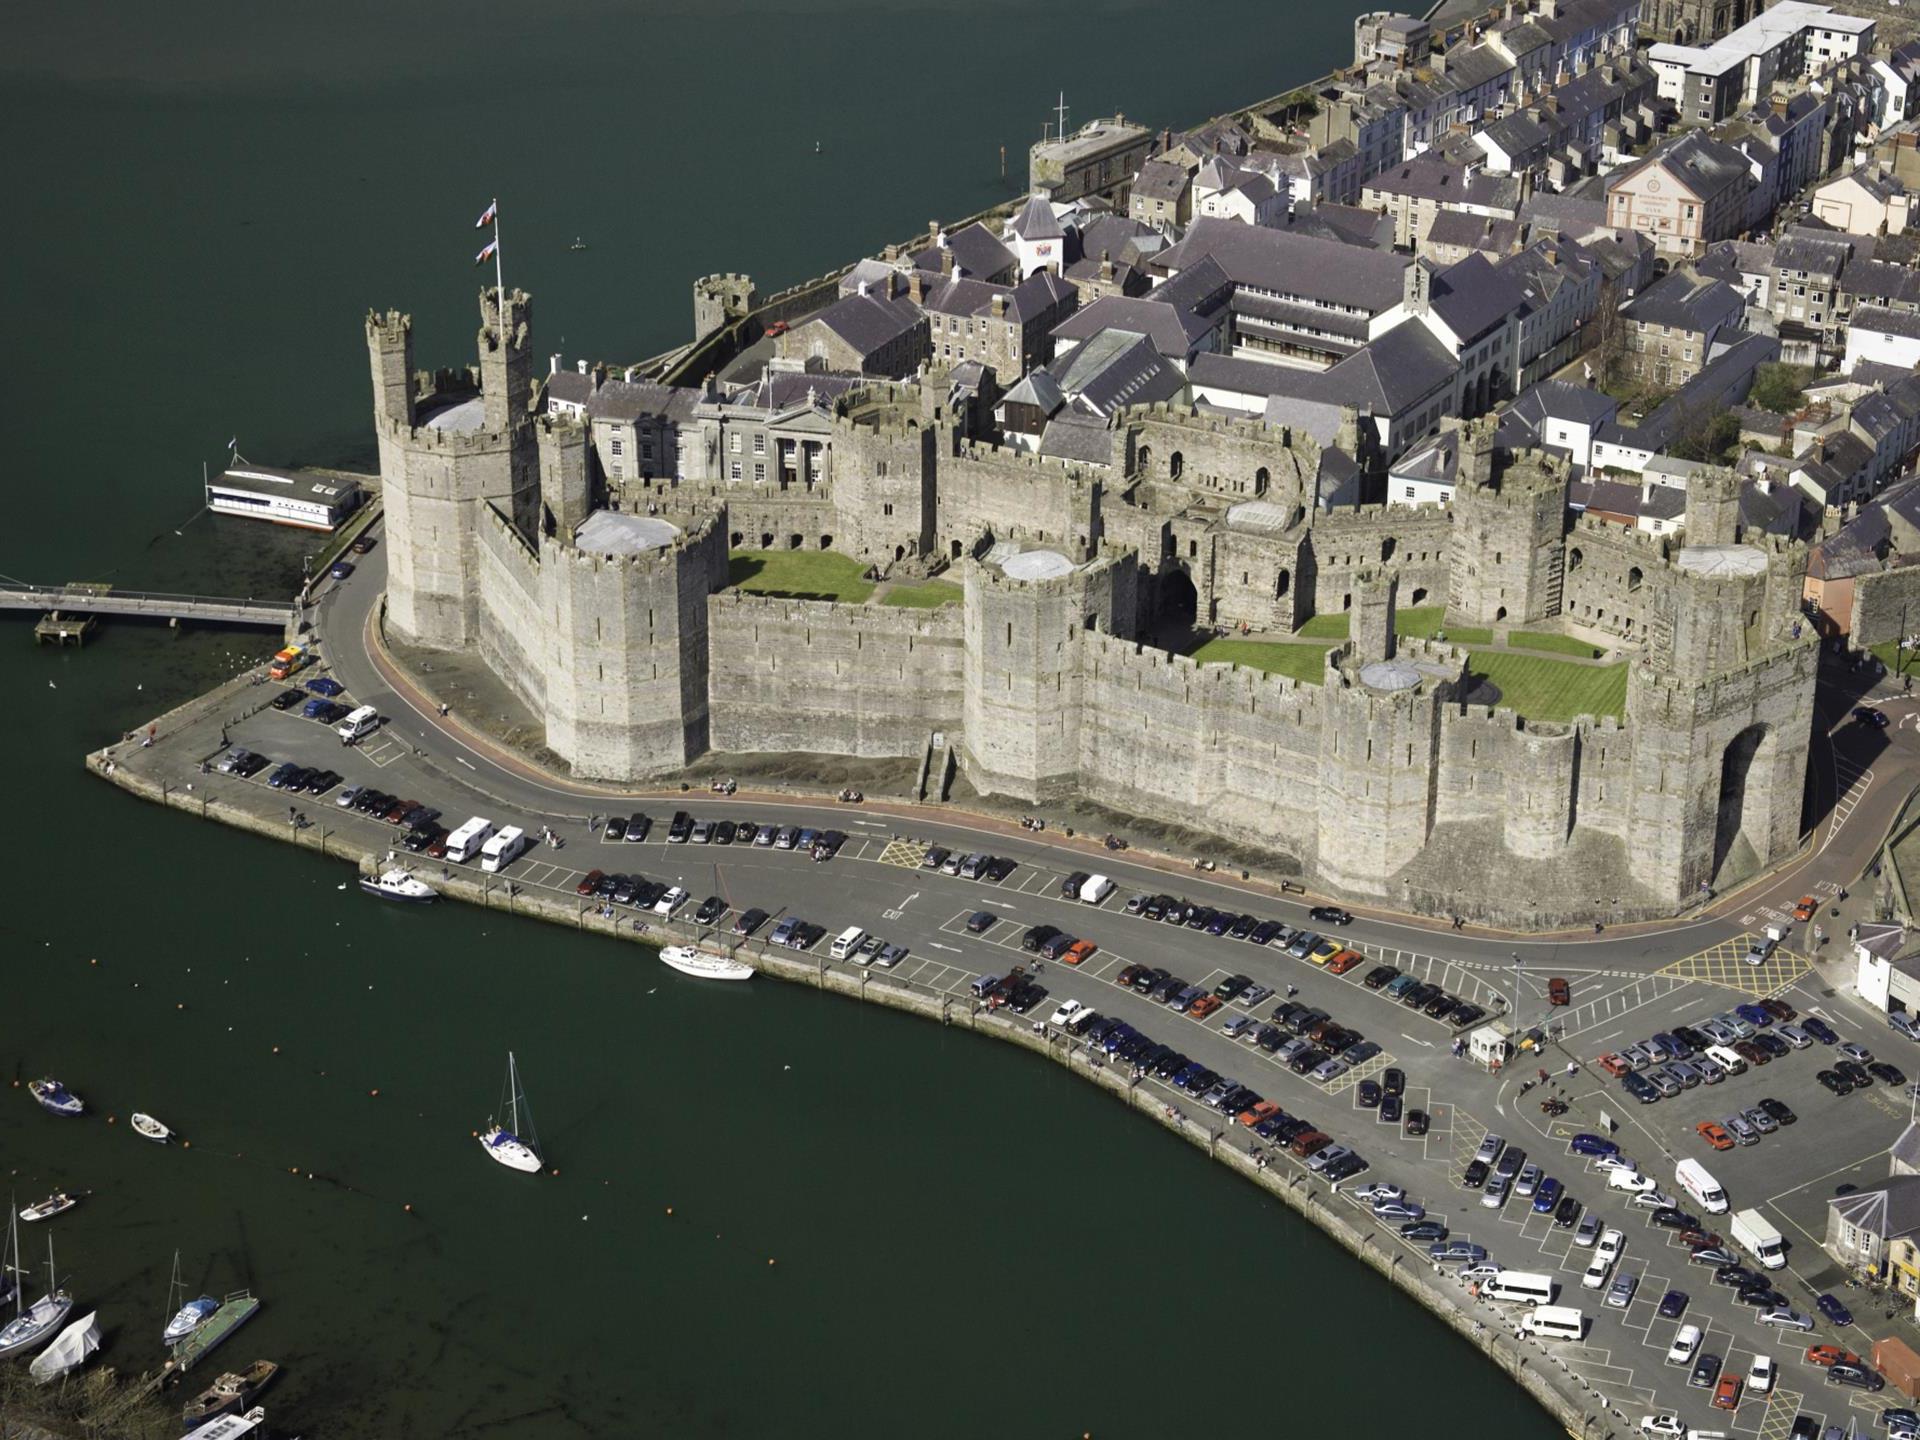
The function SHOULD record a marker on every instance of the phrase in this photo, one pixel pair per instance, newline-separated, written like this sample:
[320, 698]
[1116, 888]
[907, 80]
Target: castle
[602, 602]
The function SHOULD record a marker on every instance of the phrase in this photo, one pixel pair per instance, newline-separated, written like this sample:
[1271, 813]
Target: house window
[759, 472]
[733, 470]
[760, 443]
[617, 444]
[733, 443]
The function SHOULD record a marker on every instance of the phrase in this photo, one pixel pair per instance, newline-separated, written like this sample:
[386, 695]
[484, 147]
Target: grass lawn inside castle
[799, 575]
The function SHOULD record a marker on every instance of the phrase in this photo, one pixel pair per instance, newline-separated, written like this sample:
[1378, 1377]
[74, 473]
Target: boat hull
[55, 1098]
[148, 1128]
[423, 896]
[511, 1152]
[704, 965]
[39, 1325]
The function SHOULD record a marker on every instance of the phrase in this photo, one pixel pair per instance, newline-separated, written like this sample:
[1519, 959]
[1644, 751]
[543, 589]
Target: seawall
[1568, 1398]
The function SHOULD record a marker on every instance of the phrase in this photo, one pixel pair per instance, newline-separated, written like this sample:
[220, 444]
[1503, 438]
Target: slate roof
[1116, 368]
[1561, 213]
[876, 274]
[1703, 164]
[1391, 373]
[1888, 1209]
[1436, 461]
[869, 323]
[1882, 283]
[1038, 389]
[628, 400]
[1424, 178]
[1656, 431]
[570, 387]
[1073, 437]
[1473, 232]
[1202, 288]
[781, 389]
[1684, 302]
[1813, 254]
[1473, 295]
[1880, 319]
[1253, 377]
[1173, 329]
[1611, 497]
[1563, 400]
[1518, 133]
[1161, 180]
[1036, 221]
[1038, 293]
[977, 252]
[1323, 270]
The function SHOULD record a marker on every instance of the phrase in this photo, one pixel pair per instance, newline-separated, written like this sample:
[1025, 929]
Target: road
[1624, 985]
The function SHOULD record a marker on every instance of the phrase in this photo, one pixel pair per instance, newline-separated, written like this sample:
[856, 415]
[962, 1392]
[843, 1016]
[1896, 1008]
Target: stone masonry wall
[809, 675]
[1883, 603]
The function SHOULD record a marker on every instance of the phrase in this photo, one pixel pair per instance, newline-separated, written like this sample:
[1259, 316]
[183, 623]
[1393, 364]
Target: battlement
[698, 531]
[985, 452]
[891, 621]
[1658, 547]
[388, 326]
[427, 439]
[1201, 422]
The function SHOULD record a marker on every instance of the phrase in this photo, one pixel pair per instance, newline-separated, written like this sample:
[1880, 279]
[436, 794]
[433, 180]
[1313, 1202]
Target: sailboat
[578, 244]
[504, 1143]
[189, 1317]
[35, 1325]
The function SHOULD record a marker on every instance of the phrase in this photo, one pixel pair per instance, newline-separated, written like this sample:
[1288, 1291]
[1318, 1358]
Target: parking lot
[878, 883]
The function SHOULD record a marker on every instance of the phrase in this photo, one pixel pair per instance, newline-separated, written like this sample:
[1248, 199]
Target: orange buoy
[112, 1118]
[180, 1005]
[407, 1208]
[186, 1144]
[669, 1209]
[770, 1261]
[374, 1092]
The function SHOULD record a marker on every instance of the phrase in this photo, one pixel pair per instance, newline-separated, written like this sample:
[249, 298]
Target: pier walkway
[88, 599]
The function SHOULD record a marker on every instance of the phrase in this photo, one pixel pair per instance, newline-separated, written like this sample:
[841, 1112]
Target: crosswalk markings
[1725, 965]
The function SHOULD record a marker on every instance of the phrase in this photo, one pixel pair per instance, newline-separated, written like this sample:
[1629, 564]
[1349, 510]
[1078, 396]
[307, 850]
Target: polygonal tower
[1506, 557]
[449, 448]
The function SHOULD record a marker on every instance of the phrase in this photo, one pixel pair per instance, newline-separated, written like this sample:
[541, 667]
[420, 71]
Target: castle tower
[1713, 507]
[1379, 766]
[1371, 623]
[390, 349]
[567, 494]
[1021, 666]
[1541, 770]
[1719, 720]
[719, 300]
[623, 633]
[1506, 556]
[506, 357]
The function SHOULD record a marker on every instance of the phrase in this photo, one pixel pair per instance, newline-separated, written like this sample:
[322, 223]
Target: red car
[1807, 908]
[1614, 1065]
[1718, 1138]
[1344, 961]
[1558, 992]
[590, 883]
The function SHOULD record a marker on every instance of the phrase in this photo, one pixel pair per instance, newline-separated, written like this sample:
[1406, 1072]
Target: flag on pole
[234, 443]
[486, 254]
[486, 217]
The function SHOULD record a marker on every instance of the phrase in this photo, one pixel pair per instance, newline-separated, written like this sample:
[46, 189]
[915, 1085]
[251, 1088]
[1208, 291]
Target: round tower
[1540, 769]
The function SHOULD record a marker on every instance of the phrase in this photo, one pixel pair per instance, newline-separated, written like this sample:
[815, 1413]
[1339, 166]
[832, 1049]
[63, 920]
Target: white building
[1886, 337]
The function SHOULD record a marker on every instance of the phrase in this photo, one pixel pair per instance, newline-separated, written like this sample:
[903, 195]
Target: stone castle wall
[809, 675]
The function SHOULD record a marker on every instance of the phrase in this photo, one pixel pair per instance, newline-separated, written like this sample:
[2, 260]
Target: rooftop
[613, 532]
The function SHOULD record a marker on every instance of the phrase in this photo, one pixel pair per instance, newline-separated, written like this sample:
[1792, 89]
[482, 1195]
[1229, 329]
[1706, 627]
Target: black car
[1308, 1059]
[829, 843]
[1378, 976]
[1270, 1038]
[1669, 1218]
[1156, 907]
[1773, 1045]
[287, 699]
[1037, 936]
[639, 825]
[1393, 1082]
[625, 888]
[1566, 1212]
[616, 828]
[418, 840]
[1691, 1038]
[680, 828]
[1391, 1108]
[1889, 1074]
[745, 832]
[1170, 1064]
[1475, 1176]
[1025, 996]
[711, 909]
[1417, 1123]
[1736, 1276]
[1855, 1073]
[723, 832]
[647, 892]
[372, 802]
[1242, 928]
[327, 779]
[1329, 915]
[608, 884]
[997, 868]
[1344, 1168]
[1858, 1376]
[1264, 932]
[1055, 945]
[1166, 989]
[1706, 1370]
[1781, 1114]
[1465, 1014]
[1070, 887]
[750, 921]
[981, 921]
[251, 766]
[1834, 1081]
[1441, 1004]
[303, 777]
[1418, 995]
[1760, 1295]
[1231, 988]
[936, 857]
[1200, 916]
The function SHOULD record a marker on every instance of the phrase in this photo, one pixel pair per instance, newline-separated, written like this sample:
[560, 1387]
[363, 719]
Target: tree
[1780, 388]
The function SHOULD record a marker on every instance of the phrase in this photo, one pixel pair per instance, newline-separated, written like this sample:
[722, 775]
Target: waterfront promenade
[1625, 985]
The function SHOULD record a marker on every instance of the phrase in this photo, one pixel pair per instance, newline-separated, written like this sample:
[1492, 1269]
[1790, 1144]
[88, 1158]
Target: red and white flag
[487, 216]
[486, 254]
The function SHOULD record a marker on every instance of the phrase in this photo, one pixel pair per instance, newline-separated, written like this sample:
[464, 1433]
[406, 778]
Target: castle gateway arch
[1749, 804]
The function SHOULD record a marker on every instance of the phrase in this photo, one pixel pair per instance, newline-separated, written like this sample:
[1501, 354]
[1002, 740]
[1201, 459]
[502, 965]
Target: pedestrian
[1572, 1069]
[443, 709]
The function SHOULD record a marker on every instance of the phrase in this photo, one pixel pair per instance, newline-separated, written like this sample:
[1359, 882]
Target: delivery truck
[1754, 1233]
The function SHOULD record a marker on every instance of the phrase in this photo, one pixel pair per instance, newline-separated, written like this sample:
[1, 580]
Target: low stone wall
[1565, 1396]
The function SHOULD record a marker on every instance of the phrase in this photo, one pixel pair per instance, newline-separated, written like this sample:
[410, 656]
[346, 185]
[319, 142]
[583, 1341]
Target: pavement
[1625, 983]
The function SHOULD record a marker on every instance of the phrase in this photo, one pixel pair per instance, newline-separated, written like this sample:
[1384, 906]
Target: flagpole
[499, 275]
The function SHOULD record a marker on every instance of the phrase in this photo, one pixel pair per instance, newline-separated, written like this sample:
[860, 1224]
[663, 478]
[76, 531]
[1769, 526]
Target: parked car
[1558, 992]
[1329, 915]
[1673, 1305]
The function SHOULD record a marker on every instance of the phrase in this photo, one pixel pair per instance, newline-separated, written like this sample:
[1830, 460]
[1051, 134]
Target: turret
[390, 351]
[506, 357]
[1713, 507]
[566, 488]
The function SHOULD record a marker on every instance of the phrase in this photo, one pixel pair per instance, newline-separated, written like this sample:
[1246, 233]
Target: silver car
[1528, 1180]
[1689, 1076]
[1589, 1230]
[1620, 1293]
[1794, 1036]
[1719, 1033]
[1490, 1147]
[1667, 1083]
[1495, 1195]
[1760, 1120]
[1741, 1130]
[1709, 1068]
[1787, 1318]
[1328, 1070]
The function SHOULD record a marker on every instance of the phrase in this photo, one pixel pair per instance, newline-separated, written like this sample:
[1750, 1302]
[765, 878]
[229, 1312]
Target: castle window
[1575, 559]
[1386, 548]
[618, 445]
[1634, 577]
[886, 509]
[1176, 465]
[733, 470]
[733, 443]
[1280, 584]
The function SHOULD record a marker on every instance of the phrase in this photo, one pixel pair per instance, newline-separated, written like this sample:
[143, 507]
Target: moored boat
[73, 1347]
[234, 1311]
[705, 964]
[35, 1324]
[504, 1142]
[148, 1128]
[55, 1097]
[230, 1393]
[56, 1204]
[398, 884]
[189, 1318]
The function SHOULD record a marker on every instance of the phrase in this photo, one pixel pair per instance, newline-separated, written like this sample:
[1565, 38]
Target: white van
[464, 843]
[363, 721]
[846, 942]
[502, 849]
[1727, 1059]
[1095, 888]
[1695, 1180]
[1520, 1286]
[1554, 1322]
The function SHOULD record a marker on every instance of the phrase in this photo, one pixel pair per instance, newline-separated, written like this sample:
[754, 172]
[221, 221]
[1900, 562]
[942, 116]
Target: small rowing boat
[148, 1128]
[55, 1097]
[53, 1205]
[705, 964]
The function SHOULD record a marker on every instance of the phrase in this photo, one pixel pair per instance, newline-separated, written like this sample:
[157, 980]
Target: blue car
[1547, 1196]
[1820, 1030]
[1117, 1037]
[315, 708]
[325, 685]
[1831, 1307]
[1640, 1088]
[1585, 1144]
[1673, 1304]
[282, 774]
[1185, 1074]
[341, 569]
[1757, 1016]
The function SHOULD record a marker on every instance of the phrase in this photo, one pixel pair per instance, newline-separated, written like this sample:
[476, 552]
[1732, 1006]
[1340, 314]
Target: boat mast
[13, 1236]
[513, 1093]
[175, 1287]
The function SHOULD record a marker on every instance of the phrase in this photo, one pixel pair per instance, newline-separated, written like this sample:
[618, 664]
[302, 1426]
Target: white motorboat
[504, 1142]
[148, 1128]
[398, 884]
[189, 1317]
[74, 1346]
[55, 1204]
[705, 964]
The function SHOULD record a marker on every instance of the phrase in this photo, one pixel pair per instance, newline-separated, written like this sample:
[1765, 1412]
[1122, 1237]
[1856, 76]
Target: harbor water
[778, 1212]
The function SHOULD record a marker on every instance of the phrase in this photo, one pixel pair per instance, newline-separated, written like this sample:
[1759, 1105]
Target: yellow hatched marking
[1725, 965]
